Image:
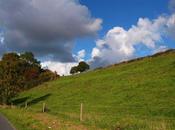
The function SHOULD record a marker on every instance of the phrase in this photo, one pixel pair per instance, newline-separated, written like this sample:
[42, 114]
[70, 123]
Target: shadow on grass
[39, 99]
[21, 101]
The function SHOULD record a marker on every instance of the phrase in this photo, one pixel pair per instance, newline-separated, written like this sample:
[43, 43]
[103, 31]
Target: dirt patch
[53, 123]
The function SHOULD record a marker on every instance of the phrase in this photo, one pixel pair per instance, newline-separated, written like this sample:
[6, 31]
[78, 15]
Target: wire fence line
[90, 111]
[102, 106]
[108, 116]
[107, 119]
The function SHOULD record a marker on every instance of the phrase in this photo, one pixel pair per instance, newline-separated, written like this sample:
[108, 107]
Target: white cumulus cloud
[160, 49]
[64, 68]
[120, 44]
[60, 68]
[80, 55]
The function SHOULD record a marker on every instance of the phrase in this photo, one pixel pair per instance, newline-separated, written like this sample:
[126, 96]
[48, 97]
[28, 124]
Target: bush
[47, 75]
[82, 66]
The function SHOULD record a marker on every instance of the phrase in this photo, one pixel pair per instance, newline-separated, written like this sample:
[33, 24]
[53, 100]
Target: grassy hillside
[138, 95]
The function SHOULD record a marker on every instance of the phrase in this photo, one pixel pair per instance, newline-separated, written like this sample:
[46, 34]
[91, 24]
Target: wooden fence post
[44, 105]
[11, 105]
[118, 128]
[26, 105]
[81, 112]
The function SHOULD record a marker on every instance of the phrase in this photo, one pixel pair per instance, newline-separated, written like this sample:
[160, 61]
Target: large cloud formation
[64, 68]
[120, 44]
[45, 27]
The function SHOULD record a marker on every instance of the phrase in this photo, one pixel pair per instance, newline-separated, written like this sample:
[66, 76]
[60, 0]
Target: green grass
[21, 119]
[139, 95]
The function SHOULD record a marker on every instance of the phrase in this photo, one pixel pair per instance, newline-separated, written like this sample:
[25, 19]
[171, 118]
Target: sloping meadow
[138, 95]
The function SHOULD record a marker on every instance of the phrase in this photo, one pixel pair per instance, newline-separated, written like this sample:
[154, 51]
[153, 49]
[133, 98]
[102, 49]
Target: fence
[111, 116]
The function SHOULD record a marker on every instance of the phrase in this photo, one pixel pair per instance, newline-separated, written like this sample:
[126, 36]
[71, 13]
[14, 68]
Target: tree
[20, 72]
[47, 75]
[74, 70]
[10, 57]
[31, 69]
[82, 66]
[29, 57]
[11, 79]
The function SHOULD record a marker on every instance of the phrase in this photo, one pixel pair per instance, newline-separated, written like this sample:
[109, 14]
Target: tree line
[19, 72]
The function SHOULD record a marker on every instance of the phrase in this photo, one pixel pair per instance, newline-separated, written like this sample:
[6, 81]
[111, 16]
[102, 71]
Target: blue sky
[124, 13]
[61, 33]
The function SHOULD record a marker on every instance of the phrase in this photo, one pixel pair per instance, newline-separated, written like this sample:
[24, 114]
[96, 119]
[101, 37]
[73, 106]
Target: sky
[62, 33]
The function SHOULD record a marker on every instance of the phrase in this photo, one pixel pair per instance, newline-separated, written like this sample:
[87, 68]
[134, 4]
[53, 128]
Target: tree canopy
[82, 66]
[19, 72]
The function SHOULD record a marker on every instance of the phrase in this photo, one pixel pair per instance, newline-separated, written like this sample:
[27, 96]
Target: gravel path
[5, 124]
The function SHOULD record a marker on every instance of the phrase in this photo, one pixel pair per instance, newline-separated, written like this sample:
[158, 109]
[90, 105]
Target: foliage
[29, 58]
[11, 80]
[20, 72]
[82, 66]
[47, 75]
[74, 70]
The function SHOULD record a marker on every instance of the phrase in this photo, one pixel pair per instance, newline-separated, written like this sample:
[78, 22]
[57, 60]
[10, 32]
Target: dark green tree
[74, 70]
[83, 66]
[29, 57]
